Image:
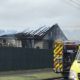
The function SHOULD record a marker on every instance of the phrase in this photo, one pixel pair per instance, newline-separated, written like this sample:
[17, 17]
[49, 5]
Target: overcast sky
[31, 14]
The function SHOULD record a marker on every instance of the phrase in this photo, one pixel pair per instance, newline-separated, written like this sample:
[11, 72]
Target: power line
[78, 1]
[74, 3]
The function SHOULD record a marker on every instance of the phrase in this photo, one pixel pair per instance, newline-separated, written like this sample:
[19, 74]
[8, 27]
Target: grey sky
[31, 14]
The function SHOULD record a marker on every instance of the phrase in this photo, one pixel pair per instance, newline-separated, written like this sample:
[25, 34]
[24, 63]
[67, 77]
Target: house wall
[18, 43]
[54, 34]
[1, 42]
[13, 42]
[45, 44]
[38, 44]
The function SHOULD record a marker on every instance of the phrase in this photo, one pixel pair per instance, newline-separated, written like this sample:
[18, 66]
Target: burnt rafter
[36, 32]
[41, 32]
[33, 34]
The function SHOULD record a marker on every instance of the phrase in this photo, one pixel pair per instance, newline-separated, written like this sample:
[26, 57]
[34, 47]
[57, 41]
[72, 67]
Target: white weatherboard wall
[14, 42]
[39, 45]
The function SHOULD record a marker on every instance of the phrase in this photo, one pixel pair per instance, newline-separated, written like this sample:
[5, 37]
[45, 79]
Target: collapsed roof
[33, 34]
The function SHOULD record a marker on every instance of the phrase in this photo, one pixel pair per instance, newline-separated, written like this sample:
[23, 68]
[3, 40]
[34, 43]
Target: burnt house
[42, 38]
[9, 41]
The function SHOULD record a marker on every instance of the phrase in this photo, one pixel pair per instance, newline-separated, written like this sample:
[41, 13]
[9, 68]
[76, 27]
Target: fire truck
[66, 59]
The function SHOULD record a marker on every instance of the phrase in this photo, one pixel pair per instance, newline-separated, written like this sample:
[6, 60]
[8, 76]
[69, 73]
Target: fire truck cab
[74, 73]
[65, 54]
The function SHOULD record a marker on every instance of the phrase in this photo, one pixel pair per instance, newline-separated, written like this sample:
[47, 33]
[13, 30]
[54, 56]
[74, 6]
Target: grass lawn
[15, 78]
[34, 76]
